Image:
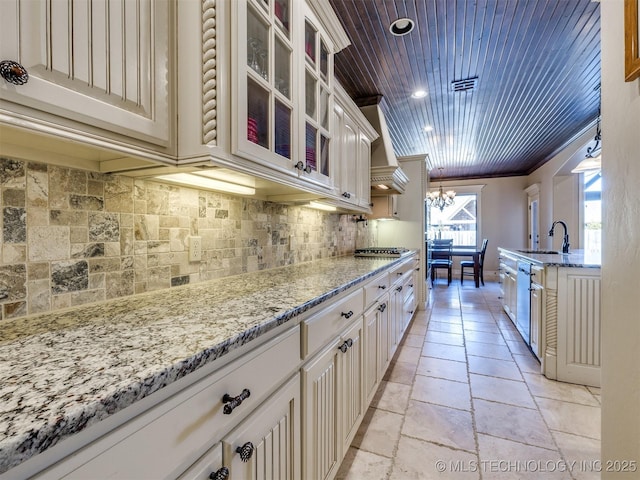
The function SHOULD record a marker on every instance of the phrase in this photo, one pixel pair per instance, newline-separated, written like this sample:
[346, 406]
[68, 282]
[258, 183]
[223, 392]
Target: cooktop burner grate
[380, 252]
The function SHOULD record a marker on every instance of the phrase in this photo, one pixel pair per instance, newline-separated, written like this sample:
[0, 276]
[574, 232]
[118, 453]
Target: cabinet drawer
[375, 288]
[168, 438]
[408, 288]
[317, 330]
[210, 463]
[401, 270]
[537, 275]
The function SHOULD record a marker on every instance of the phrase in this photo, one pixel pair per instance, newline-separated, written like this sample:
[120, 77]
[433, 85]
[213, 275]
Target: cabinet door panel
[320, 391]
[536, 318]
[384, 348]
[99, 63]
[372, 366]
[351, 391]
[210, 462]
[348, 160]
[274, 432]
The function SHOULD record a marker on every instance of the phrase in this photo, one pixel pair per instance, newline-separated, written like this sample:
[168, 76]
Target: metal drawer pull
[399, 273]
[399, 289]
[233, 402]
[346, 195]
[245, 451]
[382, 286]
[221, 474]
[346, 345]
[382, 307]
[349, 314]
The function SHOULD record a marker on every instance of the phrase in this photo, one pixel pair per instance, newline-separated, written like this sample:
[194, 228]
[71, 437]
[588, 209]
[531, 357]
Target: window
[592, 211]
[458, 221]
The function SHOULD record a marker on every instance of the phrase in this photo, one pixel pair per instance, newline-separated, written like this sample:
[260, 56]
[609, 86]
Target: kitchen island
[554, 300]
[70, 377]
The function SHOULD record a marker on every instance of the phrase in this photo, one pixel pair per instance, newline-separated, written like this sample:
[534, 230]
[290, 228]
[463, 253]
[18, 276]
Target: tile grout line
[533, 398]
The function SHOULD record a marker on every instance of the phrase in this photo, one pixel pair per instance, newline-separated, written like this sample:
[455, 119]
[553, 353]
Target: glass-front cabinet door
[263, 82]
[318, 101]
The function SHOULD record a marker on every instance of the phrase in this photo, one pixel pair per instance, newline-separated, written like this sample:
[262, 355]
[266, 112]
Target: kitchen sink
[541, 252]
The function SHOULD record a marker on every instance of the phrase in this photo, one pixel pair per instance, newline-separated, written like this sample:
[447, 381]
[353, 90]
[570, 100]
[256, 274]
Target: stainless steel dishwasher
[523, 301]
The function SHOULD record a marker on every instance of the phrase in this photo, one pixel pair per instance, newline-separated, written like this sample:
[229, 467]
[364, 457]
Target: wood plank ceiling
[537, 64]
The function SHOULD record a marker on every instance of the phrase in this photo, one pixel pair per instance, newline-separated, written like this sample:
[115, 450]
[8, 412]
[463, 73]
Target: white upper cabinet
[352, 136]
[318, 101]
[263, 86]
[142, 87]
[90, 64]
[282, 90]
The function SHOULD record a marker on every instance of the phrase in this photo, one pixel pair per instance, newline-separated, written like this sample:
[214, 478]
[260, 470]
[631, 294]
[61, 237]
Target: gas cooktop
[380, 252]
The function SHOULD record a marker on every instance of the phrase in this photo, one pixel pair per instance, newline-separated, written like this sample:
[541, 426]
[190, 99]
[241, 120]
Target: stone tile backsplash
[71, 237]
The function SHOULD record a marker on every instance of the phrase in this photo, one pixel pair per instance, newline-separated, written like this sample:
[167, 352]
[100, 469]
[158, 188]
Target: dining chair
[469, 264]
[440, 258]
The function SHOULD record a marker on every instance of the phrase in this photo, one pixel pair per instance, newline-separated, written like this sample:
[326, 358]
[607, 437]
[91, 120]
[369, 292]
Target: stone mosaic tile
[12, 173]
[14, 224]
[14, 197]
[104, 227]
[69, 276]
[73, 215]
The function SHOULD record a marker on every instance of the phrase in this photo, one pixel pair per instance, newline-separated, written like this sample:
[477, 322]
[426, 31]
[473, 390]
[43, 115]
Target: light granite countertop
[574, 259]
[64, 371]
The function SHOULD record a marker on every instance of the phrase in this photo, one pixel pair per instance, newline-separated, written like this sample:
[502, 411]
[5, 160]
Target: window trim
[466, 189]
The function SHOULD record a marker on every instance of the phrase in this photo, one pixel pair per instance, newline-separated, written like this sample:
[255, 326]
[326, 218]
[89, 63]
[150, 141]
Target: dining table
[474, 253]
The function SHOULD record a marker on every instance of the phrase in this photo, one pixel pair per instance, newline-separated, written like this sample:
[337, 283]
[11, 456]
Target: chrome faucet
[565, 239]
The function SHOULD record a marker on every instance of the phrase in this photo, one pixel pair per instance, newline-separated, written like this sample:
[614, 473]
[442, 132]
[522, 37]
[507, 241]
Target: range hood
[386, 175]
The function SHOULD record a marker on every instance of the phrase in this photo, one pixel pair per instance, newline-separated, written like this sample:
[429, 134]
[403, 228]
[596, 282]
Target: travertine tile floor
[464, 398]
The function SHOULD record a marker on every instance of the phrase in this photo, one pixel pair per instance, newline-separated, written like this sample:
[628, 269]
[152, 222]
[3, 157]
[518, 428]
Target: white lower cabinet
[287, 409]
[536, 318]
[508, 278]
[165, 440]
[265, 446]
[376, 345]
[510, 292]
[210, 466]
[333, 402]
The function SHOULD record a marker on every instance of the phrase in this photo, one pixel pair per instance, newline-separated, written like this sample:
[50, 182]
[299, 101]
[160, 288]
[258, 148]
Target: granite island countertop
[574, 259]
[64, 371]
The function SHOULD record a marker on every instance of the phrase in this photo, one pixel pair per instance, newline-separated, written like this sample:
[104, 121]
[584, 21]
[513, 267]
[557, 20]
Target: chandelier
[440, 198]
[594, 152]
[593, 158]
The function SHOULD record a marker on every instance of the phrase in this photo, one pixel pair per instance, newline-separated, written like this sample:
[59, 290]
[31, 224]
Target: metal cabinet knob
[13, 72]
[382, 286]
[220, 474]
[245, 451]
[348, 314]
[346, 345]
[302, 167]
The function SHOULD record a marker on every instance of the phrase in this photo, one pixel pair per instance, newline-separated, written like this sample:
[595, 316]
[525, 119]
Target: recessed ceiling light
[419, 94]
[428, 128]
[401, 26]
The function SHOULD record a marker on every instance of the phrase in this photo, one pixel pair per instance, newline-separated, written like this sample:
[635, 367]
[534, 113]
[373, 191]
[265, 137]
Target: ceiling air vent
[466, 85]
